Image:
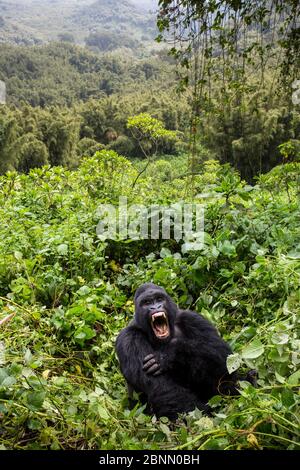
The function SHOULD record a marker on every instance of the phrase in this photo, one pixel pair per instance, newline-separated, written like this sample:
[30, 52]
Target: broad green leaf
[79, 309]
[294, 379]
[103, 413]
[3, 375]
[8, 381]
[253, 350]
[279, 378]
[18, 255]
[233, 362]
[35, 400]
[215, 401]
[288, 397]
[280, 338]
[227, 248]
[84, 290]
[165, 252]
[62, 249]
[28, 357]
[165, 429]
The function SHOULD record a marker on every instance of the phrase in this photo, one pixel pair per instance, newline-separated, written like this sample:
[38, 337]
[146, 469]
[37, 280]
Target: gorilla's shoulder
[194, 322]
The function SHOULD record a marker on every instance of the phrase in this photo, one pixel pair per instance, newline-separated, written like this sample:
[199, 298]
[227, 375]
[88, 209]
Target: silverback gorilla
[174, 358]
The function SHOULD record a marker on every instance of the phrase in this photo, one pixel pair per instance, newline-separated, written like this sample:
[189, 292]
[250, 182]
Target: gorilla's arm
[202, 353]
[132, 346]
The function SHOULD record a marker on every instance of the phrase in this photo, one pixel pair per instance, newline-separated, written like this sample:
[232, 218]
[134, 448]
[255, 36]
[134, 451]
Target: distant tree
[110, 135]
[93, 120]
[290, 150]
[88, 147]
[123, 145]
[247, 134]
[33, 153]
[148, 132]
[108, 41]
[8, 145]
[228, 55]
[66, 37]
[61, 135]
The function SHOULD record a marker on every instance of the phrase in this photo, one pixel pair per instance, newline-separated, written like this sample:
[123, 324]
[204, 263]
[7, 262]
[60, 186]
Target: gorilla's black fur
[174, 358]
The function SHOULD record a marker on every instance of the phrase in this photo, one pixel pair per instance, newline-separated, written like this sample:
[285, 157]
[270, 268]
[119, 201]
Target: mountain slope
[63, 74]
[37, 21]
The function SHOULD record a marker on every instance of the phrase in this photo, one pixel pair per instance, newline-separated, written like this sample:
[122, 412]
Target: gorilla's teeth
[160, 324]
[158, 315]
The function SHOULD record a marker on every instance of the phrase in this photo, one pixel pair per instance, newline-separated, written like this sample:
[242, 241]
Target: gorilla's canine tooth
[159, 314]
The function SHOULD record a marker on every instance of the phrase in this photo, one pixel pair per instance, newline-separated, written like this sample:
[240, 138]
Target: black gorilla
[174, 358]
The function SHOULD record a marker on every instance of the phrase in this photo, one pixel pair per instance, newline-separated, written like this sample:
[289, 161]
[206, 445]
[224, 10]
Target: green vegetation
[63, 74]
[65, 135]
[249, 141]
[65, 295]
[72, 86]
[150, 135]
[85, 125]
[239, 60]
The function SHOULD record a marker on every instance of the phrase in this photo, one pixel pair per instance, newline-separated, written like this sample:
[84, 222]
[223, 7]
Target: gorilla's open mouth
[160, 325]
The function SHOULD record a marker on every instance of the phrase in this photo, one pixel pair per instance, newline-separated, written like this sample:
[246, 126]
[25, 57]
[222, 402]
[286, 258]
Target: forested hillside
[63, 74]
[115, 23]
[209, 117]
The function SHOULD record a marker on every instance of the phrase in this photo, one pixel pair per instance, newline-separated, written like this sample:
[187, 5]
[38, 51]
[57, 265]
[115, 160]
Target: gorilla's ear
[147, 286]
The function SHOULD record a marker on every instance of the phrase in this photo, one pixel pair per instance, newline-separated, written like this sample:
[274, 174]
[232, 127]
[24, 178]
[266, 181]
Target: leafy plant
[65, 294]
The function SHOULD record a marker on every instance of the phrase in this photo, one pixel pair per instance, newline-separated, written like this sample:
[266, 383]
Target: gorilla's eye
[147, 302]
[159, 298]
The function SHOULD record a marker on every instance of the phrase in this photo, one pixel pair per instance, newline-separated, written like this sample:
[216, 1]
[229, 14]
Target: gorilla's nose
[155, 307]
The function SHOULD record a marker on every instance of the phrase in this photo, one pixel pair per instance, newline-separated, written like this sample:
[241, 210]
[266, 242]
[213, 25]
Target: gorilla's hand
[252, 376]
[151, 365]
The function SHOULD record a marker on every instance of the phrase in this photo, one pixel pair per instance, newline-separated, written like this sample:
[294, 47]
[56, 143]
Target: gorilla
[174, 358]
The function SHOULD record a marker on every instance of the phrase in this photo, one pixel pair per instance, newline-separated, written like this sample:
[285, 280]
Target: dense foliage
[63, 74]
[31, 137]
[80, 101]
[238, 30]
[65, 294]
[240, 60]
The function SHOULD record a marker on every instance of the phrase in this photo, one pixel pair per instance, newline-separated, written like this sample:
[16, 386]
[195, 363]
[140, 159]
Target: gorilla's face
[153, 305]
[155, 311]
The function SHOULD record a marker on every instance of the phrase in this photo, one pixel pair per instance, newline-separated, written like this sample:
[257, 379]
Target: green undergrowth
[66, 293]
